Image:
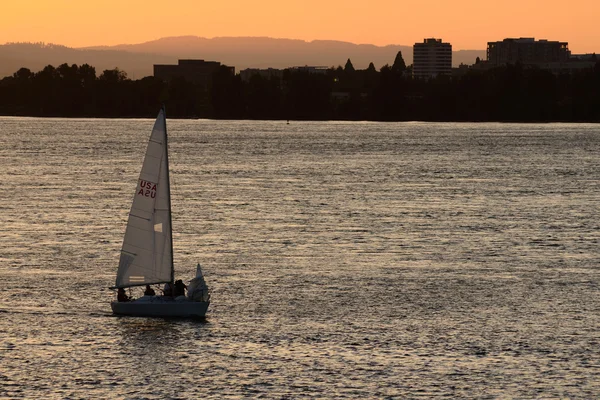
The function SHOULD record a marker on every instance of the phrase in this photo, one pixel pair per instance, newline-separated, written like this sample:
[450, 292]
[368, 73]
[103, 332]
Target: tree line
[507, 93]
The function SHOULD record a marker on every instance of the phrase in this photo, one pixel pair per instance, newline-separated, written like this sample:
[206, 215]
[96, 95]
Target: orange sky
[467, 24]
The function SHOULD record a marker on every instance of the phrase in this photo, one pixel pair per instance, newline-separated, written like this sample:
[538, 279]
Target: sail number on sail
[147, 189]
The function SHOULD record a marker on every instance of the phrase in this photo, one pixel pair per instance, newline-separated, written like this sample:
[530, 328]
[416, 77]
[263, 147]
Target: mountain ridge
[240, 52]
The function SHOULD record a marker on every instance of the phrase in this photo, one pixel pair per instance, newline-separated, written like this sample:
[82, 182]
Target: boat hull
[161, 308]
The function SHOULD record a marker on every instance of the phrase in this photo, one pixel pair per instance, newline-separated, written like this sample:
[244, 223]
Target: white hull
[158, 306]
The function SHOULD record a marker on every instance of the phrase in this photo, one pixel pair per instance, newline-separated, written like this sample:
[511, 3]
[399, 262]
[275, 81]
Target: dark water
[347, 260]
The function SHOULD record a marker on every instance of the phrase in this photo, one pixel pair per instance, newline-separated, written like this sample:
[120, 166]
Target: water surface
[347, 260]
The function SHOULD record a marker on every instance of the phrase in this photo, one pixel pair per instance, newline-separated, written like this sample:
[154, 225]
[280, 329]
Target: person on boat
[121, 296]
[149, 291]
[167, 289]
[179, 288]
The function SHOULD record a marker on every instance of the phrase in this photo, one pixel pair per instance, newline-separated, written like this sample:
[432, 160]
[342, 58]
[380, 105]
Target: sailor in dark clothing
[149, 291]
[167, 289]
[121, 296]
[179, 288]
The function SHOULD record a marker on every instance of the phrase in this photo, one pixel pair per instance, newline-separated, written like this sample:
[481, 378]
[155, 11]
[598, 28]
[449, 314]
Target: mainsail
[147, 252]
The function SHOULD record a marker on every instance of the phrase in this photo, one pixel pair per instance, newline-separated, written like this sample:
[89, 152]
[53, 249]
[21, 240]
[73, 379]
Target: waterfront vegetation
[508, 93]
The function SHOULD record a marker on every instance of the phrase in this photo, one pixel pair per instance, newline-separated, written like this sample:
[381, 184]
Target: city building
[310, 69]
[268, 73]
[567, 67]
[197, 71]
[432, 58]
[527, 51]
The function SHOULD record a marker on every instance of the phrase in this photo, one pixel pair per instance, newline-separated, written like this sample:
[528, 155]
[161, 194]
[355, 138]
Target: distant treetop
[399, 64]
[349, 67]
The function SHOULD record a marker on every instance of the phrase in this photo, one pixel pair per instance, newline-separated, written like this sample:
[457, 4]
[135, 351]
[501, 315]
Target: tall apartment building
[432, 58]
[527, 51]
[197, 71]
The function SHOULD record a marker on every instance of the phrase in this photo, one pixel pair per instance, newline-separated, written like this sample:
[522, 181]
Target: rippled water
[347, 260]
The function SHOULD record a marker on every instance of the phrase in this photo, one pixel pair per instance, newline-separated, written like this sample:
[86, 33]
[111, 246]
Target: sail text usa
[147, 189]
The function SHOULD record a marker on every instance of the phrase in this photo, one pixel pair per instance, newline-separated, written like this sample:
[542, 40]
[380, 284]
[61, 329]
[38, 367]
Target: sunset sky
[467, 24]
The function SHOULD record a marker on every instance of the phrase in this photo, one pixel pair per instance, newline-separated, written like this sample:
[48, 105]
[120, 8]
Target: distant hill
[36, 56]
[239, 52]
[264, 52]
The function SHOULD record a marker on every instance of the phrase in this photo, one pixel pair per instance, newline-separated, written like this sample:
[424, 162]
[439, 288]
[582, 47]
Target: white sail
[146, 255]
[197, 289]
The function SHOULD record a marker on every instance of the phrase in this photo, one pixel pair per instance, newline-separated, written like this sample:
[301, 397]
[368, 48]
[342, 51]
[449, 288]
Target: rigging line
[173, 183]
[173, 164]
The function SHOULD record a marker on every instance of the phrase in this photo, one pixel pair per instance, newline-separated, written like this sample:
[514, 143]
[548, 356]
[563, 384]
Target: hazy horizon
[225, 37]
[466, 24]
[240, 52]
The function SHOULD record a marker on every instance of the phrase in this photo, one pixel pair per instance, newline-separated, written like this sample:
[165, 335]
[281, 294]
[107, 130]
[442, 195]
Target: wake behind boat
[147, 252]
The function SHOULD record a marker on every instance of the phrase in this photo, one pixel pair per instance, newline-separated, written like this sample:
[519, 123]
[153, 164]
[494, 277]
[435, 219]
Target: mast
[169, 198]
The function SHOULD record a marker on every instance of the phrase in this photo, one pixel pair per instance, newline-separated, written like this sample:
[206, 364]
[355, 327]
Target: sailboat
[147, 252]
